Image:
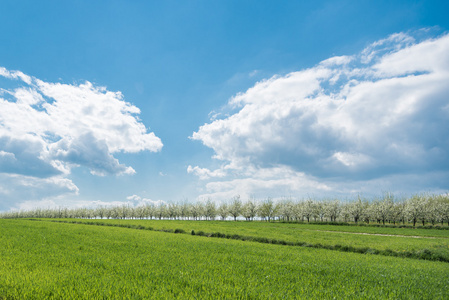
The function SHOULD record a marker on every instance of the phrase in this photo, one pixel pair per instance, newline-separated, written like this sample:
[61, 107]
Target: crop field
[53, 260]
[399, 240]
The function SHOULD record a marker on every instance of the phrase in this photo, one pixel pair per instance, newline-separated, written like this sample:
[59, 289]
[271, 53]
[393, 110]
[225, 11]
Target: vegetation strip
[424, 254]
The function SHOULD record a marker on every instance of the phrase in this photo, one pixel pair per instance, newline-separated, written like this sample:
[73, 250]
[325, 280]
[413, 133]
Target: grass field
[399, 240]
[43, 259]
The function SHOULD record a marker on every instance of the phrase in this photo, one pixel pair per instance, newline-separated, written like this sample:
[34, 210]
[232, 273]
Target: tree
[298, 211]
[140, 212]
[356, 209]
[333, 210]
[173, 211]
[308, 209]
[150, 210]
[249, 210]
[320, 210]
[161, 210]
[266, 209]
[123, 211]
[285, 209]
[415, 209]
[384, 208]
[443, 201]
[184, 209]
[368, 212]
[210, 209]
[235, 208]
[115, 213]
[433, 209]
[197, 210]
[223, 211]
[100, 211]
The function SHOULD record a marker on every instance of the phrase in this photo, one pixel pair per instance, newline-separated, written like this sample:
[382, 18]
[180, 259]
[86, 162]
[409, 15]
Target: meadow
[53, 260]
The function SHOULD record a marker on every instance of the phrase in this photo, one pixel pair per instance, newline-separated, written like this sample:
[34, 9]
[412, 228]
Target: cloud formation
[378, 114]
[46, 129]
[19, 190]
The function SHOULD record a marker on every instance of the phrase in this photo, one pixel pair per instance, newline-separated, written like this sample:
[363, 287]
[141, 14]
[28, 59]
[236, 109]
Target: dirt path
[381, 234]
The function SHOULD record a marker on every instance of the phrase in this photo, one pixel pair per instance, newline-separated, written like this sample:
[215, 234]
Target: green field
[399, 240]
[44, 259]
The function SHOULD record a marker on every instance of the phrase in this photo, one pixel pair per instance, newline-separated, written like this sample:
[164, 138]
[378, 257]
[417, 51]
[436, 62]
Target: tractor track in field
[383, 234]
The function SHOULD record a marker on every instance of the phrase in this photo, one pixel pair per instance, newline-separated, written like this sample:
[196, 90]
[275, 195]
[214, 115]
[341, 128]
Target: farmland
[46, 259]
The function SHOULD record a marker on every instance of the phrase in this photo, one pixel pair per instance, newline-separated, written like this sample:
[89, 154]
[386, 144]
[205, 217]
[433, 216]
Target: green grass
[71, 261]
[403, 240]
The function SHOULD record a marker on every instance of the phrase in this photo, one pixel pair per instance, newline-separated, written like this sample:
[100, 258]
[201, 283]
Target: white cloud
[337, 61]
[359, 118]
[266, 182]
[351, 159]
[136, 200]
[46, 129]
[16, 190]
[15, 75]
[394, 42]
[64, 202]
[204, 173]
[7, 156]
[88, 151]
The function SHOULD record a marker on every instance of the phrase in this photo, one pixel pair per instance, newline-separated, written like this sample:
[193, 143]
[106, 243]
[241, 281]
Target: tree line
[419, 208]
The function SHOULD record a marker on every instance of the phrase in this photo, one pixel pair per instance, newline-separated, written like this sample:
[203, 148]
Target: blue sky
[119, 101]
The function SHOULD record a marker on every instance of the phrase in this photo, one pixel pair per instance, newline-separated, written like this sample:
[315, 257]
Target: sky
[131, 102]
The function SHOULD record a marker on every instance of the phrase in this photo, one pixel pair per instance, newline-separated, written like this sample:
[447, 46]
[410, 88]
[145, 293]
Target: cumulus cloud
[204, 173]
[358, 118]
[262, 182]
[16, 190]
[60, 201]
[46, 129]
[136, 200]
